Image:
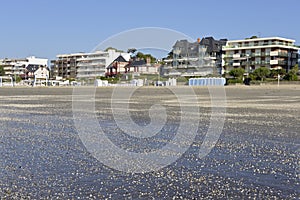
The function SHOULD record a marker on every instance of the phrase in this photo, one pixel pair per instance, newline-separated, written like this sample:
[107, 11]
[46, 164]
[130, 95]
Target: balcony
[274, 53]
[265, 62]
[239, 57]
[278, 62]
[91, 70]
[278, 53]
[228, 56]
[294, 55]
[264, 54]
[276, 43]
[236, 56]
[182, 66]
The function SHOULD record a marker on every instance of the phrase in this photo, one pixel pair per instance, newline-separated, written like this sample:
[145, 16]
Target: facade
[24, 67]
[84, 65]
[117, 66]
[41, 76]
[91, 65]
[250, 54]
[214, 49]
[41, 73]
[141, 66]
[65, 66]
[199, 58]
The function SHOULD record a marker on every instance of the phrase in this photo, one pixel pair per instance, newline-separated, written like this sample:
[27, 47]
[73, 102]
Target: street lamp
[278, 74]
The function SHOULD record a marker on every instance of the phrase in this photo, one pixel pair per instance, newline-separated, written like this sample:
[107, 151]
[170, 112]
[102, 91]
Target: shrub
[261, 73]
[290, 77]
[182, 79]
[237, 72]
[234, 81]
[292, 74]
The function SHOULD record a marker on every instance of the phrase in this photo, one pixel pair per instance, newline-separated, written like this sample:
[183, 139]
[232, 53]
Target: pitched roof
[213, 45]
[120, 59]
[186, 47]
[137, 63]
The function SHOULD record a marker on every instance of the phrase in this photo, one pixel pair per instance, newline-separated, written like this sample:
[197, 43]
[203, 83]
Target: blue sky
[45, 28]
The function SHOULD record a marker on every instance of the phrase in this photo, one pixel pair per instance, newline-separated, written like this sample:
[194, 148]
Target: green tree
[170, 55]
[292, 74]
[140, 55]
[275, 72]
[252, 37]
[237, 73]
[2, 72]
[145, 56]
[18, 79]
[261, 73]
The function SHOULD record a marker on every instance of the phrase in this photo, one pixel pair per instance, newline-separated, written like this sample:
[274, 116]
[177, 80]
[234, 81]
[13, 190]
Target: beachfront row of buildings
[203, 57]
[218, 57]
[108, 63]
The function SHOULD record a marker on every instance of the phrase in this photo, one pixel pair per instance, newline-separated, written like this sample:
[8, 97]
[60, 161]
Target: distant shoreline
[178, 86]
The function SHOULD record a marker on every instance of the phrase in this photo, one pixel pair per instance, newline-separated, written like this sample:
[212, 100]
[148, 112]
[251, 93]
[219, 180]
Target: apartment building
[250, 54]
[23, 67]
[65, 66]
[84, 65]
[92, 65]
[198, 58]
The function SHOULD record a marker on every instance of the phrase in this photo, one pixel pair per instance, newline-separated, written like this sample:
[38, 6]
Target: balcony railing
[91, 70]
[236, 64]
[263, 44]
[278, 62]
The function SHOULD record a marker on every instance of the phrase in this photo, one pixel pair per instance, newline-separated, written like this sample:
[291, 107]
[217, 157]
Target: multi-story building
[214, 50]
[84, 65]
[65, 66]
[91, 65]
[198, 58]
[250, 54]
[24, 67]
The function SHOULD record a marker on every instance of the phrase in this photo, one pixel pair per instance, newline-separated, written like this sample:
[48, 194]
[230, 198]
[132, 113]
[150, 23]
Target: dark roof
[137, 63]
[213, 45]
[186, 47]
[120, 59]
[181, 43]
[192, 48]
[32, 68]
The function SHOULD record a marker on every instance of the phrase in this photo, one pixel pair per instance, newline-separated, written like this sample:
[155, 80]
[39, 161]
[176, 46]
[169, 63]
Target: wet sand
[256, 156]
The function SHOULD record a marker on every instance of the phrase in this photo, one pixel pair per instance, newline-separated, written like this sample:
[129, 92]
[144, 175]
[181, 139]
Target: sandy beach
[256, 156]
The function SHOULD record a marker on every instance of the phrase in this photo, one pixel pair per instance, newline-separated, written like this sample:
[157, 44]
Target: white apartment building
[250, 54]
[84, 65]
[24, 67]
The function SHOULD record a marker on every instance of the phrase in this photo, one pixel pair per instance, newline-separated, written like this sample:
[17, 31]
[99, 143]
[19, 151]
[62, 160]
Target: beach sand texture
[256, 156]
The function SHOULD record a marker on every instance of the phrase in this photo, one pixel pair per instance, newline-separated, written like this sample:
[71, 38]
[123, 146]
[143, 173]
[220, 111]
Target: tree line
[2, 72]
[263, 72]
